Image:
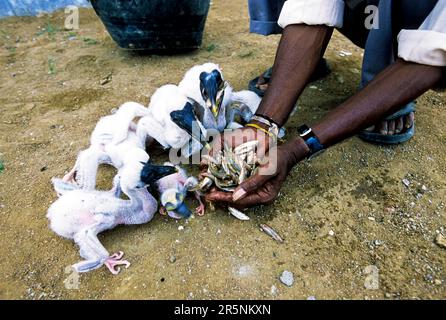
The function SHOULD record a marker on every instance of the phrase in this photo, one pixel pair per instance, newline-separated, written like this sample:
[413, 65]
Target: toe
[124, 263]
[391, 127]
[381, 128]
[399, 125]
[117, 255]
[112, 269]
[409, 120]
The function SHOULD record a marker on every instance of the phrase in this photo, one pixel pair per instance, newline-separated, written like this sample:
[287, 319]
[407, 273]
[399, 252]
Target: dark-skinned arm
[300, 49]
[397, 85]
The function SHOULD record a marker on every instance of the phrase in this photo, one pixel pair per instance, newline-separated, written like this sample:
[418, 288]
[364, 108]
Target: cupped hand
[239, 136]
[264, 187]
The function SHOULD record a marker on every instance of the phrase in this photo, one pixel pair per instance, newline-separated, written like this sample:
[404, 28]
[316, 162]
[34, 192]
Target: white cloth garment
[427, 45]
[312, 12]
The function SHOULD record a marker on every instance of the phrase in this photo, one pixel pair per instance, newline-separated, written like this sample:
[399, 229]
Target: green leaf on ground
[90, 41]
[51, 66]
[50, 30]
[211, 47]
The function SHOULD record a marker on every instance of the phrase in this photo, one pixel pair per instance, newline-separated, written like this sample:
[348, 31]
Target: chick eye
[140, 186]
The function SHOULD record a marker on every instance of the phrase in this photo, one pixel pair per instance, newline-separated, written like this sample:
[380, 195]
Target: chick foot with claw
[201, 209]
[114, 261]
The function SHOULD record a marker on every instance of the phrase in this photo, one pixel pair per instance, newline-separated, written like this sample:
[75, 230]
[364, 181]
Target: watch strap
[311, 140]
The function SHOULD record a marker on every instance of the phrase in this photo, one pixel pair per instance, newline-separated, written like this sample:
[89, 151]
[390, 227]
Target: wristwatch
[311, 140]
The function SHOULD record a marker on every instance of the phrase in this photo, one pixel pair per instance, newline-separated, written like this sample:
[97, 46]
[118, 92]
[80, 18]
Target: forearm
[396, 86]
[300, 49]
[399, 84]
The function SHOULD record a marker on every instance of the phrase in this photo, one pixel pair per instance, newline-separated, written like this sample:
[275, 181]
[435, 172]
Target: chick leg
[69, 177]
[201, 209]
[95, 253]
[162, 211]
[112, 261]
[116, 189]
[86, 168]
[189, 184]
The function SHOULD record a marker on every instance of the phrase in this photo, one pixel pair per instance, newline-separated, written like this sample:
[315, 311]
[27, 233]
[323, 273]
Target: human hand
[264, 187]
[239, 136]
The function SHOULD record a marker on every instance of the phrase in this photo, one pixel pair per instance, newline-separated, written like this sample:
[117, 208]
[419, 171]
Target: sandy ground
[342, 215]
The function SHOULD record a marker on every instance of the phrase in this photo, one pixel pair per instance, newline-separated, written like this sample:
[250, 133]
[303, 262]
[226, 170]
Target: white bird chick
[112, 138]
[214, 97]
[173, 190]
[158, 124]
[204, 86]
[82, 214]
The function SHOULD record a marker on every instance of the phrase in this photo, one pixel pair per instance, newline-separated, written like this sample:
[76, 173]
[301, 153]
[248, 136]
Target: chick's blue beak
[183, 211]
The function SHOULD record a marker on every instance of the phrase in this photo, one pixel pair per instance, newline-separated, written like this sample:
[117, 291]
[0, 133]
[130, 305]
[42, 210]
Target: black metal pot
[154, 24]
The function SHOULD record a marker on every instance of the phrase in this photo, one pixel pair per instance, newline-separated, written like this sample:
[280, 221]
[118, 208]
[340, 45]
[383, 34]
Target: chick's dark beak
[187, 121]
[210, 84]
[151, 173]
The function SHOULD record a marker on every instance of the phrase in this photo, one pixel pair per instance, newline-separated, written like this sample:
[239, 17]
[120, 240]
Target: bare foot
[396, 126]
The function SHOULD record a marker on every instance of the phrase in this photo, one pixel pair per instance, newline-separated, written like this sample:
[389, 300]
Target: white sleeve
[427, 45]
[312, 12]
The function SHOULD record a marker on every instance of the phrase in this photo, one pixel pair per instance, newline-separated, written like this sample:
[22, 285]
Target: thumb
[249, 185]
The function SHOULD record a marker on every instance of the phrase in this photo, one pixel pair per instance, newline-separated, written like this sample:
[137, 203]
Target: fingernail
[238, 194]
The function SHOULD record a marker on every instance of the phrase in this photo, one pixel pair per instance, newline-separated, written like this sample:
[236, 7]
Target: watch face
[303, 130]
